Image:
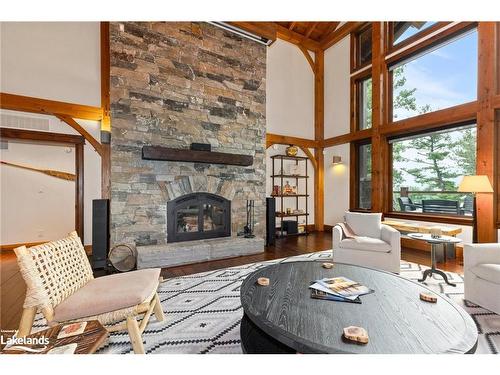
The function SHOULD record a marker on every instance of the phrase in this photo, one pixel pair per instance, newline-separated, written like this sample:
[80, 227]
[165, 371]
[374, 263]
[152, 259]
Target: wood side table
[87, 342]
[435, 243]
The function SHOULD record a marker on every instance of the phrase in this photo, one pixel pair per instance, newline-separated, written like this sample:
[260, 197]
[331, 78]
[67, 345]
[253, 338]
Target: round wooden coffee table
[283, 318]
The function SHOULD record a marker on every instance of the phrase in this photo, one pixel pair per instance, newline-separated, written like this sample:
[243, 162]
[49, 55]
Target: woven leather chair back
[53, 271]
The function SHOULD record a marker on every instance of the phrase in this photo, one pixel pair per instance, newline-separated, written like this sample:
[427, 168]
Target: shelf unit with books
[284, 192]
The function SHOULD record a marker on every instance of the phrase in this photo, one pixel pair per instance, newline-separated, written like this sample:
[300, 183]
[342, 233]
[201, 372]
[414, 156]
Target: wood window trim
[391, 48]
[354, 55]
[354, 174]
[356, 99]
[445, 219]
[423, 46]
[79, 143]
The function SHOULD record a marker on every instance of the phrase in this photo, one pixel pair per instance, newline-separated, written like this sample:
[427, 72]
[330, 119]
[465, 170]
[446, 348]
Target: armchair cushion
[489, 272]
[108, 293]
[364, 224]
[365, 244]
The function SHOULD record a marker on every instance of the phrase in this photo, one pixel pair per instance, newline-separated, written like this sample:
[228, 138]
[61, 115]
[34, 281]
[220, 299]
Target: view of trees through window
[428, 168]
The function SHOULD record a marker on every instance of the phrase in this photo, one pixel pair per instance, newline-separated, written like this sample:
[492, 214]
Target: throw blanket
[347, 231]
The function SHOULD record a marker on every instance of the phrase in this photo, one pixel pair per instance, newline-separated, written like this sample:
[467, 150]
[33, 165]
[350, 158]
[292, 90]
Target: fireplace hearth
[198, 216]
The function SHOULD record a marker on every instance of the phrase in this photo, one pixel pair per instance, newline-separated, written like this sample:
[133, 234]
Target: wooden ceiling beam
[48, 107]
[308, 57]
[331, 28]
[339, 34]
[310, 29]
[277, 139]
[271, 31]
[292, 25]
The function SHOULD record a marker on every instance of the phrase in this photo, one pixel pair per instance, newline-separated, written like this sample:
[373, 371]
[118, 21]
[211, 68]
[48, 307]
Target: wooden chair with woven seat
[61, 285]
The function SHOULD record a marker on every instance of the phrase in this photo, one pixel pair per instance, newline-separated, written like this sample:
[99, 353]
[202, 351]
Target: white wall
[289, 91]
[51, 60]
[337, 122]
[336, 184]
[36, 207]
[57, 61]
[337, 89]
[91, 166]
[280, 149]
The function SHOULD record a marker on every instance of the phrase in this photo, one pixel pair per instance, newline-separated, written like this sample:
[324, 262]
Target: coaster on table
[327, 265]
[263, 281]
[428, 297]
[356, 334]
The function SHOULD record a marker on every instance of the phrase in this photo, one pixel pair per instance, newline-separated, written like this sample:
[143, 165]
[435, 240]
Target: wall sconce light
[337, 160]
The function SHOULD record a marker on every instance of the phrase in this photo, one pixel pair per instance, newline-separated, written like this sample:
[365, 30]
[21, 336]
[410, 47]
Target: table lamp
[475, 184]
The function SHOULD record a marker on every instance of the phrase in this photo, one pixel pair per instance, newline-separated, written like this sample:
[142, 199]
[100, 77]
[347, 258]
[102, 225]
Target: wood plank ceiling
[314, 36]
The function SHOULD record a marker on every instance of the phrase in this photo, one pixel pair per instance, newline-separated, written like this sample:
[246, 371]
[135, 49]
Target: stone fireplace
[174, 84]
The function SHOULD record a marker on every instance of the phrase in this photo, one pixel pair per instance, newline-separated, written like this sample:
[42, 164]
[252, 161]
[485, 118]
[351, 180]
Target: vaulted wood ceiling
[311, 35]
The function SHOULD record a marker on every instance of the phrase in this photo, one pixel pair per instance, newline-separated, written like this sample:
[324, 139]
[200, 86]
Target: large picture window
[364, 176]
[441, 77]
[427, 169]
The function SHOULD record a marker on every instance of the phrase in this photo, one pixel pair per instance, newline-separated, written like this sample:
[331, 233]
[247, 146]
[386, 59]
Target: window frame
[434, 217]
[391, 47]
[413, 53]
[356, 50]
[355, 175]
[357, 100]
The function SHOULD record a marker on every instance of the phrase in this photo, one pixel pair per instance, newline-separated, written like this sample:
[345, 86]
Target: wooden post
[379, 114]
[319, 135]
[486, 128]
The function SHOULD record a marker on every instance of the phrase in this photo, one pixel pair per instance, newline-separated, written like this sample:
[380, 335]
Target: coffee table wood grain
[282, 317]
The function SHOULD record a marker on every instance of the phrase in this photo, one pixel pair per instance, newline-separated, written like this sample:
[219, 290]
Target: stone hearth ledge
[178, 253]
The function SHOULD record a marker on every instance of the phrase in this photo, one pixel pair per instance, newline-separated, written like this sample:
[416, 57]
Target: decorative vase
[292, 150]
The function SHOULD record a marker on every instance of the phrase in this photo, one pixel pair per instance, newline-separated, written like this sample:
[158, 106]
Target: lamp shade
[475, 184]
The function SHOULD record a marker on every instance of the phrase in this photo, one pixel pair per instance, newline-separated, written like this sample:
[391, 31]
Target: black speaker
[100, 232]
[270, 221]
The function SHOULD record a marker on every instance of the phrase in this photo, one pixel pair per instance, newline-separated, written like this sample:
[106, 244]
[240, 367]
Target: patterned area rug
[203, 311]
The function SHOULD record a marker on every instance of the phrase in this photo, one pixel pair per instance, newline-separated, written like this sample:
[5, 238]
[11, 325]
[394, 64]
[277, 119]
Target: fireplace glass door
[198, 216]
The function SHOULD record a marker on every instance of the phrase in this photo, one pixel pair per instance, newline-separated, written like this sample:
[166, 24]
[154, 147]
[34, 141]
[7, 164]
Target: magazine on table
[318, 294]
[342, 288]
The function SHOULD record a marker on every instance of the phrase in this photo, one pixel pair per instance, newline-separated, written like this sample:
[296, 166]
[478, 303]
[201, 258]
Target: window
[365, 104]
[364, 176]
[404, 30]
[364, 47]
[442, 77]
[427, 169]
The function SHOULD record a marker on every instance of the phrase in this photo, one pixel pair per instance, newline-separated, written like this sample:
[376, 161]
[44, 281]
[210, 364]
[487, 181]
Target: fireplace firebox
[198, 216]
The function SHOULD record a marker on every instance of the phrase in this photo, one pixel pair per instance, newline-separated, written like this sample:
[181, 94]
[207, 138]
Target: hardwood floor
[13, 289]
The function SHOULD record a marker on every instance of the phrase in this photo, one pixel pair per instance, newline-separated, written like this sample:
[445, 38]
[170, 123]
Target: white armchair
[376, 245]
[482, 275]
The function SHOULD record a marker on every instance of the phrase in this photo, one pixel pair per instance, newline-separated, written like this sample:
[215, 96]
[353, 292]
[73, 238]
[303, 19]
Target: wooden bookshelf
[279, 178]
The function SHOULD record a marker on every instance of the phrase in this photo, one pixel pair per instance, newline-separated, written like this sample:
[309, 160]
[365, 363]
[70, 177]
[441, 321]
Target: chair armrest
[336, 236]
[478, 253]
[391, 236]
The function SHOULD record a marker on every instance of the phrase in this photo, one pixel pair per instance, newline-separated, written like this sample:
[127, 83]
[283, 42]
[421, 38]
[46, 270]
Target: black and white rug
[203, 311]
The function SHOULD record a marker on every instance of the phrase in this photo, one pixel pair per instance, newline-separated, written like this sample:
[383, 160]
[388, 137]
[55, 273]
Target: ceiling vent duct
[243, 33]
